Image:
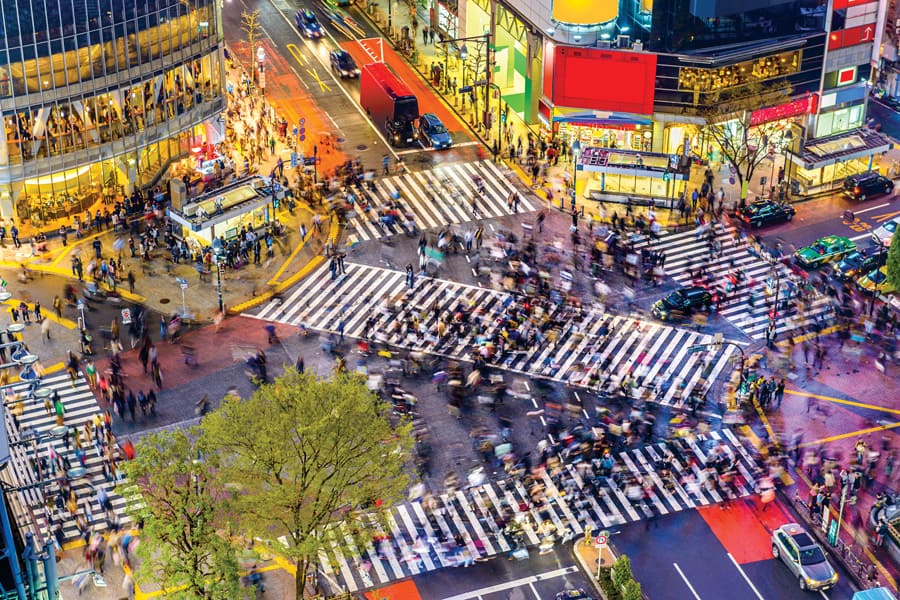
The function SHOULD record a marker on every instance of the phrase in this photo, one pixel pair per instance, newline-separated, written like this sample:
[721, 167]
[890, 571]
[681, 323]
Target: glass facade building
[99, 96]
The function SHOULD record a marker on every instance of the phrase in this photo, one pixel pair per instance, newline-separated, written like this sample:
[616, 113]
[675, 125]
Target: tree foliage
[305, 453]
[171, 487]
[893, 263]
[728, 114]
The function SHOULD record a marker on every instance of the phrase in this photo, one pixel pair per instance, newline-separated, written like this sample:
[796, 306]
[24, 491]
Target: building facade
[638, 75]
[98, 97]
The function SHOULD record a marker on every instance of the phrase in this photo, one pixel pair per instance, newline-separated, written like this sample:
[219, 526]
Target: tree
[183, 508]
[729, 122]
[305, 453]
[253, 30]
[893, 263]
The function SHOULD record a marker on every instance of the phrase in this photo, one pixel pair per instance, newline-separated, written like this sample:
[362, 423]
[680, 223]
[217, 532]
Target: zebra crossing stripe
[427, 197]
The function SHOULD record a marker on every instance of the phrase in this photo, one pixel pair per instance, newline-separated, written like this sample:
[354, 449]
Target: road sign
[294, 160]
[601, 540]
[302, 138]
[302, 130]
[302, 121]
[731, 180]
[126, 316]
[465, 89]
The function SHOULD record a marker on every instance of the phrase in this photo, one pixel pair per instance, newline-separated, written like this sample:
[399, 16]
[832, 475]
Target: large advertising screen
[584, 12]
[608, 80]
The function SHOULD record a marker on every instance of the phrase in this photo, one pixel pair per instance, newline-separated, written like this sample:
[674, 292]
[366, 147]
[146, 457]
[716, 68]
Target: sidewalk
[827, 429]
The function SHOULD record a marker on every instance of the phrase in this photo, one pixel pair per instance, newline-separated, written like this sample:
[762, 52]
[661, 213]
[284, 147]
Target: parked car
[343, 64]
[827, 249]
[875, 282]
[682, 302]
[885, 234]
[857, 263]
[766, 212]
[576, 594]
[308, 24]
[432, 132]
[866, 185]
[803, 557]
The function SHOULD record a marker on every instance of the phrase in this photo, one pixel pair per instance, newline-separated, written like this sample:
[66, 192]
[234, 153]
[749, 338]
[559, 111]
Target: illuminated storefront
[627, 132]
[223, 212]
[617, 174]
[97, 99]
[825, 162]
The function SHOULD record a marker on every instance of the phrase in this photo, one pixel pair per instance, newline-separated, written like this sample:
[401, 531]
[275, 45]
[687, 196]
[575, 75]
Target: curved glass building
[98, 97]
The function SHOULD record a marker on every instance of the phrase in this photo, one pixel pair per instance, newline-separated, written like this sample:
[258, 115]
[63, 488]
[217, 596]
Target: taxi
[824, 250]
[804, 557]
[875, 282]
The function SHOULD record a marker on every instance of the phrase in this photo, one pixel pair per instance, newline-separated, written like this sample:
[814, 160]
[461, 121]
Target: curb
[589, 572]
[333, 233]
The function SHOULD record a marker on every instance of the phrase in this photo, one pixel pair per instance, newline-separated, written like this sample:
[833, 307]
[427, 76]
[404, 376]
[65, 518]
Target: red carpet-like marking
[403, 590]
[428, 101]
[744, 529]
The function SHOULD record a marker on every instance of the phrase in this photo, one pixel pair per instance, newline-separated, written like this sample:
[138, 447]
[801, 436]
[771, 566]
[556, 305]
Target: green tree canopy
[171, 487]
[893, 263]
[305, 453]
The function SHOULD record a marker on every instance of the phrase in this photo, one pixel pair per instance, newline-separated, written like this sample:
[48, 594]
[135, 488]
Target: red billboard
[844, 38]
[808, 105]
[607, 80]
[839, 4]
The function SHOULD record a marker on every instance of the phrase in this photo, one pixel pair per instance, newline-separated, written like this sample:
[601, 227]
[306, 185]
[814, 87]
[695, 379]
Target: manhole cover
[341, 140]
[164, 300]
[361, 147]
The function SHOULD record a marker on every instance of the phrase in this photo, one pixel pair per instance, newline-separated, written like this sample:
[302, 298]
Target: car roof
[863, 176]
[431, 118]
[830, 239]
[340, 52]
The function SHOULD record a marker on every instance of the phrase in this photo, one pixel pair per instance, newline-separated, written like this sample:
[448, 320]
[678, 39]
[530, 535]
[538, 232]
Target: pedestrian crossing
[32, 440]
[437, 198]
[592, 347]
[686, 252]
[460, 525]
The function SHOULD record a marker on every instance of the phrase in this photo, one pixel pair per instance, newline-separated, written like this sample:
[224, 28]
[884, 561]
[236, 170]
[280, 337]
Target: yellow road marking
[843, 401]
[275, 278]
[322, 85]
[297, 54]
[886, 216]
[843, 436]
[44, 313]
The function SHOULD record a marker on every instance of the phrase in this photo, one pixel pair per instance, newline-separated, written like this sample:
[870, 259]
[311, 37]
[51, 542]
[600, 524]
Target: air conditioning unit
[623, 41]
[605, 44]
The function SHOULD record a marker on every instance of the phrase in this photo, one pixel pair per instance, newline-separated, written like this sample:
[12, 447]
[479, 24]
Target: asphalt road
[714, 553]
[540, 577]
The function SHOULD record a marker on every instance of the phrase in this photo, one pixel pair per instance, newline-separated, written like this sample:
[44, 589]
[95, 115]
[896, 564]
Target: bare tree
[251, 27]
[729, 122]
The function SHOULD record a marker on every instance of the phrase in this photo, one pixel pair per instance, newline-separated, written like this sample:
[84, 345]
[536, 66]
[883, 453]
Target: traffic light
[666, 176]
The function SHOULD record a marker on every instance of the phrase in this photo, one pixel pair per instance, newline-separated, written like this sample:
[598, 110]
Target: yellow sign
[584, 12]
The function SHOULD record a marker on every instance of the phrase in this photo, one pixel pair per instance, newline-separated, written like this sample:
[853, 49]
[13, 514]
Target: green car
[827, 249]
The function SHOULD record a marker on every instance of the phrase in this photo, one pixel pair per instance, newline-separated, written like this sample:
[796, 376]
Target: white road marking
[686, 582]
[514, 584]
[744, 575]
[859, 212]
[860, 236]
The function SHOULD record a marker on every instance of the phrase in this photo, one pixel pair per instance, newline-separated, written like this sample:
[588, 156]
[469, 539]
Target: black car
[866, 185]
[766, 212]
[683, 302]
[343, 64]
[859, 263]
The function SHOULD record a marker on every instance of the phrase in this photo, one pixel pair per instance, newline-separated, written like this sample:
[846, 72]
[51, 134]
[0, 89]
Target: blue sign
[302, 121]
[302, 137]
[294, 159]
[295, 131]
[302, 130]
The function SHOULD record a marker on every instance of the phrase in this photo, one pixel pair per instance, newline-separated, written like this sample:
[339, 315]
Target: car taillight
[857, 190]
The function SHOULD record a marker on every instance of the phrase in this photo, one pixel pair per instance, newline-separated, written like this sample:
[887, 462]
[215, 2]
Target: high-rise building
[641, 76]
[98, 97]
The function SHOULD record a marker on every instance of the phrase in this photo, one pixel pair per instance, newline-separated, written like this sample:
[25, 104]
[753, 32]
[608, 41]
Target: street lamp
[875, 284]
[218, 250]
[576, 150]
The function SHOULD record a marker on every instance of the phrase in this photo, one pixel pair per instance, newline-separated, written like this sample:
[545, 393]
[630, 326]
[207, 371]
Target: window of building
[732, 76]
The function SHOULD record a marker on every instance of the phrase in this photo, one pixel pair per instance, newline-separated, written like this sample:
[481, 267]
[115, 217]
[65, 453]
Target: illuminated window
[736, 75]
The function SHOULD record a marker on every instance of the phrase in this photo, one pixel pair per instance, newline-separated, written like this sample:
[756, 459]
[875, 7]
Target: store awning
[602, 119]
[844, 146]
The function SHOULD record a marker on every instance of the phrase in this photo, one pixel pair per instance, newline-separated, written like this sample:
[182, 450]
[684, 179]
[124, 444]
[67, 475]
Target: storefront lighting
[551, 30]
[63, 177]
[603, 36]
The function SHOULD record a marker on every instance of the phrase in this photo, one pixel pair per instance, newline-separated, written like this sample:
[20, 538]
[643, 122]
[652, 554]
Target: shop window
[732, 76]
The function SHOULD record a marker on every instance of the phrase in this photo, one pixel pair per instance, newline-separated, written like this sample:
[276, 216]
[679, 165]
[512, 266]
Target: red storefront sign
[802, 106]
[839, 4]
[864, 34]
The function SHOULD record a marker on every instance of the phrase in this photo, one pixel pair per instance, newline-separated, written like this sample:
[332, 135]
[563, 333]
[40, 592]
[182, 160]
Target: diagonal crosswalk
[421, 537]
[590, 347]
[30, 442]
[437, 198]
[686, 253]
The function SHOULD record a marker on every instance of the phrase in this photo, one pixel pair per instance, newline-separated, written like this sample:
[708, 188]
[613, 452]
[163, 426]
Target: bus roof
[388, 80]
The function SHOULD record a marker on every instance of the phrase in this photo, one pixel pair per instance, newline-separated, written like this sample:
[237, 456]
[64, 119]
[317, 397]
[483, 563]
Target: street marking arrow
[886, 216]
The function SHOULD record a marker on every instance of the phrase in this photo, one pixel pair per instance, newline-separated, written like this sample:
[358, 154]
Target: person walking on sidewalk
[425, 35]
